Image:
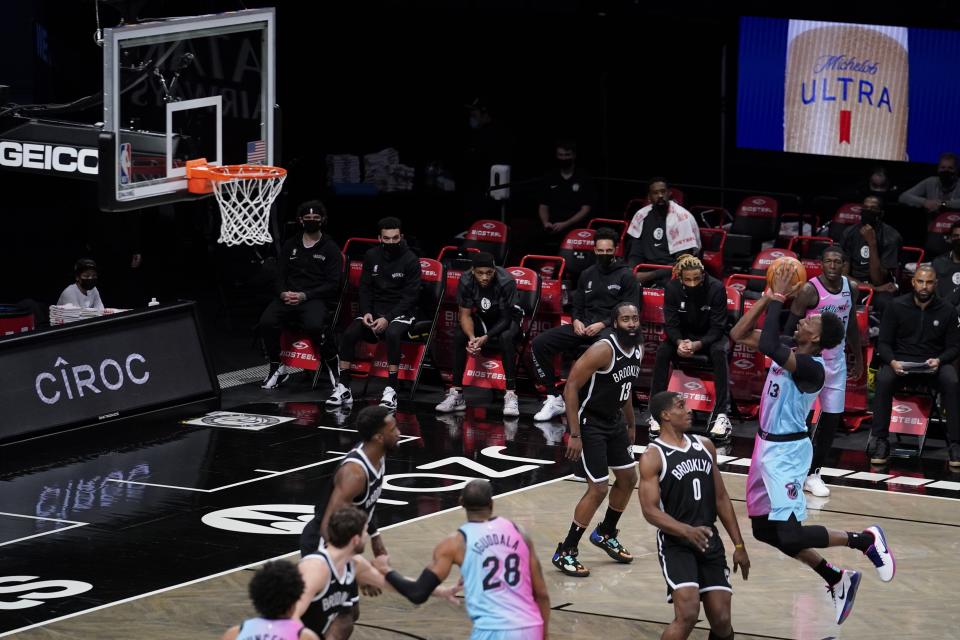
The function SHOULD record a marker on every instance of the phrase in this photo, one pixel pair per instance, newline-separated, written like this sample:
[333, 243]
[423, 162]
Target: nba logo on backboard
[126, 164]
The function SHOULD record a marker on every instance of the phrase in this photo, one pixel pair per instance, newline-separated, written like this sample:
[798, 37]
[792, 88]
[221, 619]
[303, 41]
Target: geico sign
[47, 157]
[83, 378]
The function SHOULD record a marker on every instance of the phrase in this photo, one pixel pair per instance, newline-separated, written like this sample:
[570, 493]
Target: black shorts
[605, 447]
[684, 566]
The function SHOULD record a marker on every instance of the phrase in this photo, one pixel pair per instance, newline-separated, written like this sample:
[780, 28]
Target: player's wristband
[779, 297]
[575, 435]
[738, 546]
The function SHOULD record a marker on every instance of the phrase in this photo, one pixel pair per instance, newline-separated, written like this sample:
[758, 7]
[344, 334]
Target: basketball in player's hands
[786, 275]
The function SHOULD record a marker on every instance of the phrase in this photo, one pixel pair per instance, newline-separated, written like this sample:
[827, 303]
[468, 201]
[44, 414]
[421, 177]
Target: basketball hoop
[244, 192]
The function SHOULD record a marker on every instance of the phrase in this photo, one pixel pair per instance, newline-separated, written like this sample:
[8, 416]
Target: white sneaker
[340, 397]
[880, 554]
[653, 431]
[843, 594]
[815, 485]
[275, 378]
[722, 427]
[452, 402]
[511, 404]
[553, 406]
[389, 398]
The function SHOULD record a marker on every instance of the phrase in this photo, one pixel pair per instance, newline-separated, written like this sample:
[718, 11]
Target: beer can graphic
[846, 90]
[126, 163]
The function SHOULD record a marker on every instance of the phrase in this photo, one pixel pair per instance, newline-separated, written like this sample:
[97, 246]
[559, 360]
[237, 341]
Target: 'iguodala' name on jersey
[491, 539]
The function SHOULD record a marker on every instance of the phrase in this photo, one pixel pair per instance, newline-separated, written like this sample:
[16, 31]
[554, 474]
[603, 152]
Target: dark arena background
[145, 474]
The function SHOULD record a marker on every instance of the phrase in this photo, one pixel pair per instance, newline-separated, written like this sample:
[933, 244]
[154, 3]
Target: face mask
[659, 205]
[566, 165]
[870, 216]
[605, 260]
[88, 284]
[393, 250]
[311, 226]
[474, 122]
[947, 176]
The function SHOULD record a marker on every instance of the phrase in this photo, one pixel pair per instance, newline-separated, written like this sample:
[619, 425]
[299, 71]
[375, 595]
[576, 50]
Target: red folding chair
[937, 231]
[748, 367]
[846, 216]
[713, 241]
[651, 330]
[489, 236]
[577, 253]
[455, 262]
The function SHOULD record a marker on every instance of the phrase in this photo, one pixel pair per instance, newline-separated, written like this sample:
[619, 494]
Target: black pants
[888, 382]
[822, 436]
[309, 315]
[667, 354]
[358, 331]
[506, 343]
[546, 345]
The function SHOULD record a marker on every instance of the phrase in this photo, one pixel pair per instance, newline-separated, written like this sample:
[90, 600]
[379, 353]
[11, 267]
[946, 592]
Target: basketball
[786, 262]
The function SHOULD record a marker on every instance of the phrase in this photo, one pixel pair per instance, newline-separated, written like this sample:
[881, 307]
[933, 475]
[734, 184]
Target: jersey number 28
[511, 571]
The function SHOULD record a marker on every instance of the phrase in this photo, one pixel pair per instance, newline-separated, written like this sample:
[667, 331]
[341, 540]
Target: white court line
[73, 525]
[45, 533]
[338, 429]
[265, 471]
[886, 492]
[21, 515]
[246, 566]
[272, 474]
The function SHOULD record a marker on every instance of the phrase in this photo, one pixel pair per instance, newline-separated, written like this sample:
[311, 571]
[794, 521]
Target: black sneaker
[954, 454]
[566, 561]
[880, 453]
[611, 545]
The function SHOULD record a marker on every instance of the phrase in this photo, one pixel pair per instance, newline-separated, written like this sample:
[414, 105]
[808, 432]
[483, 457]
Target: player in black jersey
[598, 397]
[358, 479]
[681, 494]
[331, 575]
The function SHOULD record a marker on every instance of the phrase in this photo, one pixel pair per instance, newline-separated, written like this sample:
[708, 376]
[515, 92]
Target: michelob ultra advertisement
[853, 90]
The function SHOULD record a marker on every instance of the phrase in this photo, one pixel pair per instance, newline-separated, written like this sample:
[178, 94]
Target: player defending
[681, 494]
[782, 450]
[598, 397]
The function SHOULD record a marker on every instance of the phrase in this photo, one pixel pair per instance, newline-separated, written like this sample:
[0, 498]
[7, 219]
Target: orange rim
[244, 172]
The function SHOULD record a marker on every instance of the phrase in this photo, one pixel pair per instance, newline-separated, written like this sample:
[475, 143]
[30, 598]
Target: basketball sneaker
[552, 407]
[611, 545]
[844, 592]
[341, 396]
[880, 554]
[566, 561]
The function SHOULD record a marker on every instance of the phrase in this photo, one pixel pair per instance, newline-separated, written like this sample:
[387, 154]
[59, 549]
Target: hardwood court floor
[782, 599]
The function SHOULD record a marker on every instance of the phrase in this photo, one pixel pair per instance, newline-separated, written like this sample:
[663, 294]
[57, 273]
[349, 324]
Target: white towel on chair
[682, 230]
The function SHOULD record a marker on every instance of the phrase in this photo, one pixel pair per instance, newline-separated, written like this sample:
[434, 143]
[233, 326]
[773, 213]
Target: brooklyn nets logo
[235, 420]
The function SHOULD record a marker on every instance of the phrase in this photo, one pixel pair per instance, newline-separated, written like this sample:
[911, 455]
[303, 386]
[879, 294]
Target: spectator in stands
[919, 336]
[947, 267]
[566, 199]
[878, 184]
[307, 288]
[83, 293]
[600, 288]
[488, 311]
[936, 193]
[874, 250]
[661, 232]
[487, 142]
[695, 321]
[389, 295]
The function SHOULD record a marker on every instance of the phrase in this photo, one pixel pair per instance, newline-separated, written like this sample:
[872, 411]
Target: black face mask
[605, 260]
[393, 251]
[627, 338]
[870, 216]
[88, 284]
[947, 177]
[660, 206]
[311, 226]
[565, 165]
[694, 291]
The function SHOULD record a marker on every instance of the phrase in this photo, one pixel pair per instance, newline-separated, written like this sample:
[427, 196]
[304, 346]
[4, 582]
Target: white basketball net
[245, 203]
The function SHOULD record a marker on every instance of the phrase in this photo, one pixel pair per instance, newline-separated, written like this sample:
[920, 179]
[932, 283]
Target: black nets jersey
[686, 483]
[337, 598]
[604, 394]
